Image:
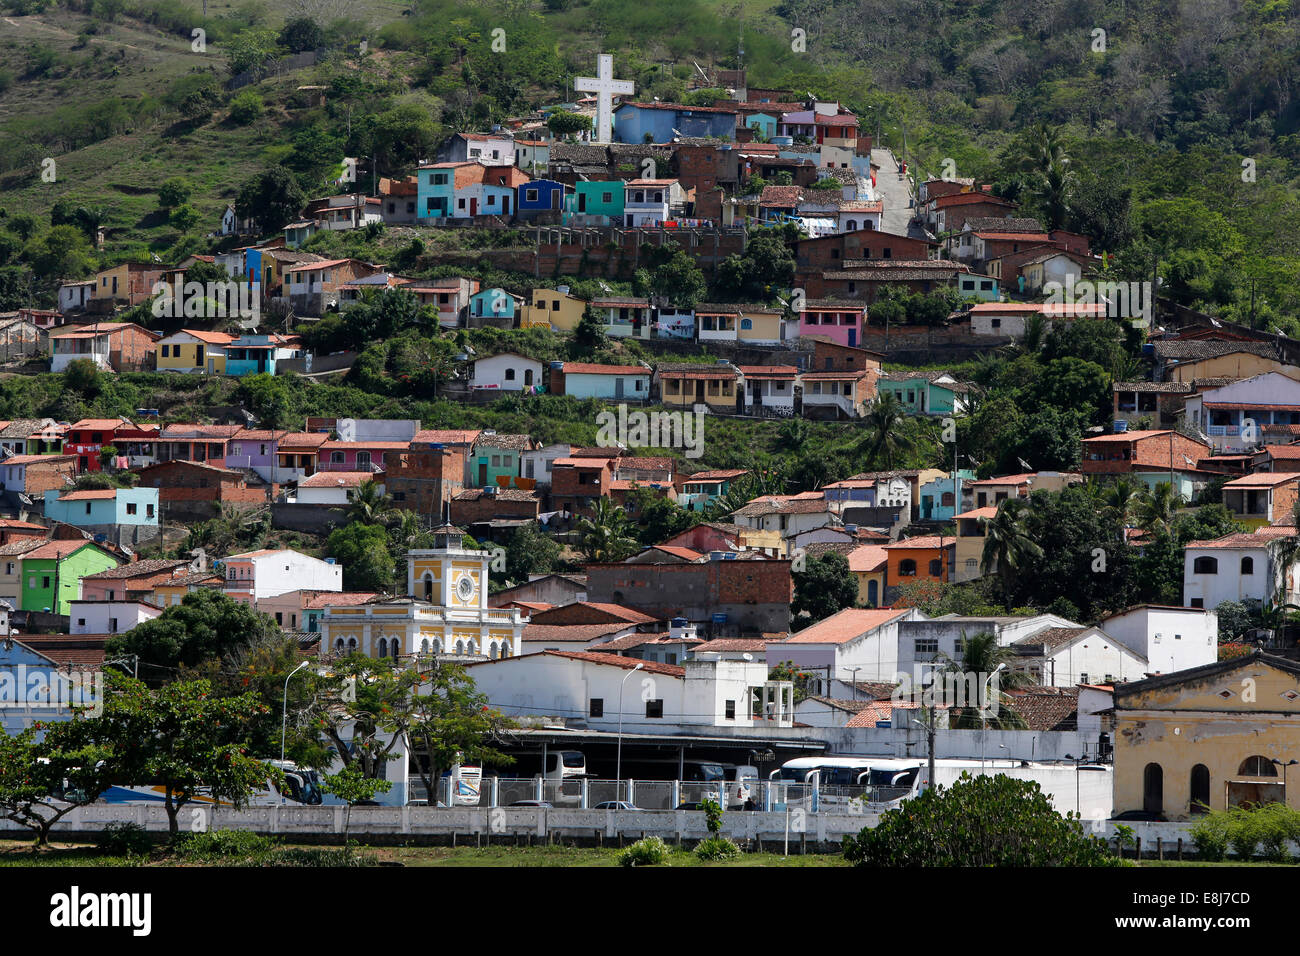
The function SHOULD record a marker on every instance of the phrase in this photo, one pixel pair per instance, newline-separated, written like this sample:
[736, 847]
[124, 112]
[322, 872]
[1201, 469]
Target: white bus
[834, 781]
[297, 785]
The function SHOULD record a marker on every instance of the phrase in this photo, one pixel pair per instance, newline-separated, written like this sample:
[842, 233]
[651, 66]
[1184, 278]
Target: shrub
[717, 848]
[1243, 832]
[124, 839]
[1210, 835]
[652, 851]
[337, 856]
[984, 821]
[245, 108]
[221, 843]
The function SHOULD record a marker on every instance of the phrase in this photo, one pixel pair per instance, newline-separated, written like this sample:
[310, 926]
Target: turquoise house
[495, 459]
[925, 393]
[493, 304]
[588, 380]
[103, 507]
[938, 499]
[436, 190]
[766, 124]
[253, 354]
[596, 199]
[974, 286]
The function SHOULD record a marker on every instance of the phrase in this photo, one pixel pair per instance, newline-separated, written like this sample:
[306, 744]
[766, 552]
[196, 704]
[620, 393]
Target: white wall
[1228, 584]
[492, 371]
[289, 571]
[1170, 639]
[96, 617]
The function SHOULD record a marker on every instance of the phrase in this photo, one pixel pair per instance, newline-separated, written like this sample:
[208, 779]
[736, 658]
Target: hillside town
[885, 480]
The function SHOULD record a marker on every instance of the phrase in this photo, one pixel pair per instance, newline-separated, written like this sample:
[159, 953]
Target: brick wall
[424, 479]
[43, 476]
[815, 256]
[487, 507]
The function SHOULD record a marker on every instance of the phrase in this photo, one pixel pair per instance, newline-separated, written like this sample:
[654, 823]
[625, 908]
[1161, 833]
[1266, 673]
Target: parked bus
[296, 785]
[840, 780]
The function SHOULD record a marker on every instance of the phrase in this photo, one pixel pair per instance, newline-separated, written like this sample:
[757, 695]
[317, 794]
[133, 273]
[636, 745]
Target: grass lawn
[16, 853]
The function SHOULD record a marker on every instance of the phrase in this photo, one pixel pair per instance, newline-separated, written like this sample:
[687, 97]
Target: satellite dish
[24, 499]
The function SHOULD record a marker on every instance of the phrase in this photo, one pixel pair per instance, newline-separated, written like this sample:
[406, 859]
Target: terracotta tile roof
[58, 550]
[339, 599]
[720, 474]
[20, 546]
[591, 368]
[75, 650]
[849, 706]
[734, 645]
[627, 663]
[136, 569]
[1242, 540]
[769, 371]
[303, 440]
[676, 551]
[13, 524]
[1051, 638]
[574, 633]
[97, 424]
[507, 442]
[96, 494]
[845, 626]
[923, 541]
[988, 512]
[35, 459]
[1264, 479]
[336, 479]
[781, 197]
[772, 505]
[867, 558]
[502, 494]
[447, 436]
[1048, 708]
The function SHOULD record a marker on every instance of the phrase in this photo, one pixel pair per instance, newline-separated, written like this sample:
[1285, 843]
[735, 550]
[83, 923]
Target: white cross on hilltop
[604, 86]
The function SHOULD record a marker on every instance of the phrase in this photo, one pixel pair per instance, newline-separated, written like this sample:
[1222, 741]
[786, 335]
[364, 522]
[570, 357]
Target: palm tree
[1154, 509]
[1007, 544]
[1122, 495]
[369, 505]
[604, 536]
[981, 658]
[888, 435]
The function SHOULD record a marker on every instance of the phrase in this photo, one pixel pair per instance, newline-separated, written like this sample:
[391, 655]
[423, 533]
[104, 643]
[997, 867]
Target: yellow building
[687, 384]
[193, 350]
[1234, 365]
[445, 613]
[1207, 735]
[868, 564]
[971, 534]
[759, 325]
[553, 308]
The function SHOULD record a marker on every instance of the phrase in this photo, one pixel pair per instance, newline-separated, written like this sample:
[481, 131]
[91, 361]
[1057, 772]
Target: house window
[1205, 565]
[45, 582]
[936, 568]
[731, 710]
[1247, 565]
[131, 509]
[336, 458]
[1257, 767]
[148, 511]
[654, 708]
[927, 645]
[907, 568]
[112, 625]
[597, 707]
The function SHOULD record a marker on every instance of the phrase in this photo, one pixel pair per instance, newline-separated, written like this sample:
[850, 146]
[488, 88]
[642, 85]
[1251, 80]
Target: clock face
[465, 588]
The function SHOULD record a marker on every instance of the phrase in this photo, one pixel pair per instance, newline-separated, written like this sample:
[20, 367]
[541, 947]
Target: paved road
[896, 194]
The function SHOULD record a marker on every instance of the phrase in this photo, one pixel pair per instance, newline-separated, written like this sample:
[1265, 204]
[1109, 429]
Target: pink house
[840, 322]
[358, 455]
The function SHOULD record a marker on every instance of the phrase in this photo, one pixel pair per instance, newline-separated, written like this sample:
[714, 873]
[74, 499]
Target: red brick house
[814, 256]
[195, 489]
[1125, 452]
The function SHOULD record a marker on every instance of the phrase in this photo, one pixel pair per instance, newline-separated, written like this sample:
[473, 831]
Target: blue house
[540, 196]
[435, 187]
[252, 354]
[660, 122]
[493, 304]
[938, 498]
[765, 124]
[34, 687]
[103, 507]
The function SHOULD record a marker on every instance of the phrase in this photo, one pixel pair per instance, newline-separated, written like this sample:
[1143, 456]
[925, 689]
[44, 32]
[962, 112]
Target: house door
[212, 366]
[1153, 788]
[853, 337]
[618, 388]
[473, 206]
[699, 391]
[505, 205]
[482, 474]
[582, 202]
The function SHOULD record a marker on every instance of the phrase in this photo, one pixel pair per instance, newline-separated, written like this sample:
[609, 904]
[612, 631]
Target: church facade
[445, 611]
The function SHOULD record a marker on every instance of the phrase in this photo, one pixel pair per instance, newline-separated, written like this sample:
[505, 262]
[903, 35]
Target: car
[615, 805]
[692, 805]
[543, 804]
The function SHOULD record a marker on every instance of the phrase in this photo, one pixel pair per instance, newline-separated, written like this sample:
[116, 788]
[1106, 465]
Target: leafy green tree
[175, 191]
[888, 434]
[362, 550]
[352, 787]
[266, 396]
[450, 722]
[1154, 508]
[657, 516]
[564, 124]
[362, 708]
[826, 586]
[589, 335]
[271, 199]
[205, 626]
[246, 107]
[249, 50]
[1008, 547]
[676, 279]
[368, 504]
[183, 739]
[978, 822]
[530, 551]
[606, 535]
[47, 771]
[301, 34]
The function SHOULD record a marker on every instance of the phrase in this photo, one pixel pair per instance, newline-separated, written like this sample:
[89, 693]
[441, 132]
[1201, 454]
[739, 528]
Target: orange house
[926, 558]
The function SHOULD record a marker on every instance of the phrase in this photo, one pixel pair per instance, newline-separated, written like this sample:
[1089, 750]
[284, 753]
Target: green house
[597, 199]
[925, 393]
[51, 574]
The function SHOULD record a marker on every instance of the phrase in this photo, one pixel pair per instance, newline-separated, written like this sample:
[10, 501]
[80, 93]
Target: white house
[650, 202]
[789, 515]
[1237, 567]
[924, 644]
[660, 698]
[254, 575]
[1236, 416]
[75, 295]
[507, 372]
[108, 617]
[854, 644]
[536, 464]
[1170, 638]
[1065, 656]
[332, 488]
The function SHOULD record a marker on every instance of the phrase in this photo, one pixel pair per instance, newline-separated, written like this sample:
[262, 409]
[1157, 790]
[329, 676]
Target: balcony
[1223, 431]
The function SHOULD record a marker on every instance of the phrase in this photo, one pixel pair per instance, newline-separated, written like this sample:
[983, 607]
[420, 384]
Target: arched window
[460, 647]
[1200, 802]
[437, 646]
[1247, 565]
[936, 568]
[428, 587]
[424, 646]
[338, 645]
[1257, 767]
[850, 225]
[1153, 788]
[746, 323]
[1205, 565]
[383, 647]
[396, 648]
[352, 645]
[907, 568]
[505, 648]
[492, 650]
[873, 592]
[469, 647]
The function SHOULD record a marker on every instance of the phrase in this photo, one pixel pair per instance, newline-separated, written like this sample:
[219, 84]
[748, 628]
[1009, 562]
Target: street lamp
[284, 719]
[984, 711]
[618, 763]
[854, 672]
